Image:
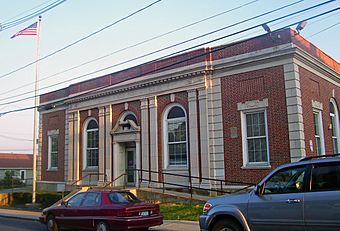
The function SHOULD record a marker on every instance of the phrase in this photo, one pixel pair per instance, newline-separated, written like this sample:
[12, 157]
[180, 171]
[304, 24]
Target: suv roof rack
[320, 156]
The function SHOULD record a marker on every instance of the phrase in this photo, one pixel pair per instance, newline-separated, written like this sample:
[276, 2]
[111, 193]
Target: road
[15, 224]
[10, 224]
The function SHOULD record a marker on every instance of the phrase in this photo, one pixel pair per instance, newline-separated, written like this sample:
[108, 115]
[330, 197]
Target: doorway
[131, 166]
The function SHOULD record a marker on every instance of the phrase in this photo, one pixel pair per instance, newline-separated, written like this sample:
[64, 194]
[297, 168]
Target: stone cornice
[317, 65]
[111, 90]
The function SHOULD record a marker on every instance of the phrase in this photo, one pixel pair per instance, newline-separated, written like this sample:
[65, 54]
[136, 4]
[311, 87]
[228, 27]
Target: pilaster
[294, 112]
[76, 143]
[153, 136]
[145, 137]
[70, 158]
[204, 132]
[193, 133]
[108, 143]
[102, 133]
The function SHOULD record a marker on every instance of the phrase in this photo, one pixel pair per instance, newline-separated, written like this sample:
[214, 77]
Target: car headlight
[206, 207]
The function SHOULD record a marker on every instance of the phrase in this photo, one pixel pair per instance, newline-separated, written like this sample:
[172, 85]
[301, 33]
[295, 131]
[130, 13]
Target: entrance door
[131, 165]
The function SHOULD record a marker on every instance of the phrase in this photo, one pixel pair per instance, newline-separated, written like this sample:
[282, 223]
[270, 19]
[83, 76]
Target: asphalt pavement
[167, 226]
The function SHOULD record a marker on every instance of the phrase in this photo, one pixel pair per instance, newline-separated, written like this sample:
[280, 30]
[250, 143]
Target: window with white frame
[91, 143]
[176, 144]
[53, 149]
[318, 132]
[254, 133]
[333, 113]
[256, 137]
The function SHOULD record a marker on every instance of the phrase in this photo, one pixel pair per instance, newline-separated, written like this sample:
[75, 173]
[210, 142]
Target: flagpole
[35, 124]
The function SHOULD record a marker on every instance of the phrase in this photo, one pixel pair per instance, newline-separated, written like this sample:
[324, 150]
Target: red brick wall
[53, 121]
[255, 85]
[162, 102]
[315, 88]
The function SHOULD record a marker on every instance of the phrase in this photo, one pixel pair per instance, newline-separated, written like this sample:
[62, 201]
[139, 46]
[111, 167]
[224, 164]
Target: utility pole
[35, 124]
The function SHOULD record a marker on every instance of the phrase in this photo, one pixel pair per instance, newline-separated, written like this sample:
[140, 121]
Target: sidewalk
[167, 226]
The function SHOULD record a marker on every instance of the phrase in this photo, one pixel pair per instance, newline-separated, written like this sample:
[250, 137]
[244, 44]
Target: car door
[322, 203]
[68, 217]
[280, 205]
[89, 210]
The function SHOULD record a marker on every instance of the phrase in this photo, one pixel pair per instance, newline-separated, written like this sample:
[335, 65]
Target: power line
[169, 47]
[15, 138]
[82, 39]
[275, 24]
[8, 25]
[215, 50]
[327, 28]
[132, 46]
[15, 150]
[26, 11]
[166, 48]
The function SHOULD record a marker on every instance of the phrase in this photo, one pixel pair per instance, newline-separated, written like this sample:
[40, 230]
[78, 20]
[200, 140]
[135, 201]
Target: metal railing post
[163, 181]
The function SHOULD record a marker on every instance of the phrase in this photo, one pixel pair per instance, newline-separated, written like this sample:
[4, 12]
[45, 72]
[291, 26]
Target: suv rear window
[123, 197]
[326, 177]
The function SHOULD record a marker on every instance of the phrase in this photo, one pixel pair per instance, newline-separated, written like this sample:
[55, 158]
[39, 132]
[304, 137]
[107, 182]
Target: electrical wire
[169, 47]
[134, 45]
[15, 138]
[174, 64]
[157, 51]
[26, 11]
[327, 28]
[82, 39]
[5, 26]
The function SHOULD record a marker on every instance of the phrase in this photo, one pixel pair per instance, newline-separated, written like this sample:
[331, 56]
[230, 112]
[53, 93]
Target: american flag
[31, 30]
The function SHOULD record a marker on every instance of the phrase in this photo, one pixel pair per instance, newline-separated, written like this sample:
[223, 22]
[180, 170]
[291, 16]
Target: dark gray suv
[303, 195]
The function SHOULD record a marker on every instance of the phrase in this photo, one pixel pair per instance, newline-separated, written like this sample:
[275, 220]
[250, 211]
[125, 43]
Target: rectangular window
[53, 151]
[92, 148]
[326, 177]
[318, 132]
[22, 175]
[334, 134]
[177, 143]
[256, 147]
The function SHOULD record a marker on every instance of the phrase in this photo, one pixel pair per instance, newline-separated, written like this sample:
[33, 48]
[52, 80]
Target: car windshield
[123, 197]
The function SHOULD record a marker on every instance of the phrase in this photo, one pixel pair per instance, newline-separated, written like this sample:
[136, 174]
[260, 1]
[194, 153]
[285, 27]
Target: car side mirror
[259, 190]
[64, 203]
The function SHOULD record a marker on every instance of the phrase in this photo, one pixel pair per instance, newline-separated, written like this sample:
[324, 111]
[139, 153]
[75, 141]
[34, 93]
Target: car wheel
[102, 226]
[51, 224]
[227, 225]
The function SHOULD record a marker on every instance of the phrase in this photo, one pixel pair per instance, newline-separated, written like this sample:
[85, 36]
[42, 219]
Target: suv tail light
[206, 207]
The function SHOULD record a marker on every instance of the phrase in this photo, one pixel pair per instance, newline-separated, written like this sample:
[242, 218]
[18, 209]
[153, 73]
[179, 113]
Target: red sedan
[102, 211]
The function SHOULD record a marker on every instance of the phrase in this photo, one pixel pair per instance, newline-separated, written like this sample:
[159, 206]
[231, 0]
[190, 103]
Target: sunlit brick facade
[232, 112]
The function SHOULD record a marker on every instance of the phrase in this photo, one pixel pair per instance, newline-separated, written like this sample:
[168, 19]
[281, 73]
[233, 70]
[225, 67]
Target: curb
[27, 218]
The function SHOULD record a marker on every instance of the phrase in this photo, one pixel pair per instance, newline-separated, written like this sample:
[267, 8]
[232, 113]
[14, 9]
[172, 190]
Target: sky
[75, 20]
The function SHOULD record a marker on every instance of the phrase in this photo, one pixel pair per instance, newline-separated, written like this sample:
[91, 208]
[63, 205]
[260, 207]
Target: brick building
[232, 112]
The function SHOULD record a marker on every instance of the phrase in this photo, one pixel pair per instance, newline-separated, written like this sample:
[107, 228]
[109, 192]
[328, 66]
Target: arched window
[130, 116]
[175, 137]
[91, 142]
[333, 113]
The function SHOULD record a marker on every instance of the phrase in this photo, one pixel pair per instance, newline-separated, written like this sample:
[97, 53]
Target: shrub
[44, 198]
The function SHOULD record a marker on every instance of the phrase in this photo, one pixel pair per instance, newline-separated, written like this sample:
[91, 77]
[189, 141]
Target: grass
[181, 211]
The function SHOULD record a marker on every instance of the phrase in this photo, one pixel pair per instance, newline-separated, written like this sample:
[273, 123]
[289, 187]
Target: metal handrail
[190, 186]
[89, 174]
[111, 182]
